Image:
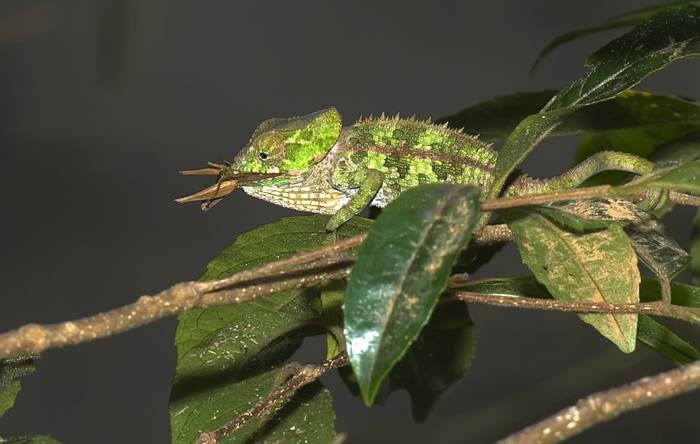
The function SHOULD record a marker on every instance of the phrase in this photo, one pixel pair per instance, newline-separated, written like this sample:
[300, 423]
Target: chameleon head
[288, 146]
[278, 150]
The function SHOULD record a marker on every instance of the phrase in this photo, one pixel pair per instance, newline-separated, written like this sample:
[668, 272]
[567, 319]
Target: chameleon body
[311, 163]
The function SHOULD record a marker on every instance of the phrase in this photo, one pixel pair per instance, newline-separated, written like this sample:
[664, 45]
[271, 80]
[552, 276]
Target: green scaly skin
[327, 169]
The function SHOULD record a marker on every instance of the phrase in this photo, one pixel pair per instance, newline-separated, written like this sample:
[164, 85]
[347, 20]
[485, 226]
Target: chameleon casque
[311, 163]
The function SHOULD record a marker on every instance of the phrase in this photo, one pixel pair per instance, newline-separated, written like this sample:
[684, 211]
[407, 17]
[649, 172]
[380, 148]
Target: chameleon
[312, 163]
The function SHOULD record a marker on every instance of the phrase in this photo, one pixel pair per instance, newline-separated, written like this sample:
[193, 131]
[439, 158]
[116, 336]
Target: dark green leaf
[438, 359]
[531, 131]
[495, 119]
[279, 240]
[306, 417]
[401, 269]
[11, 370]
[231, 356]
[332, 296]
[598, 266]
[36, 439]
[621, 21]
[685, 177]
[682, 150]
[434, 363]
[664, 341]
[669, 35]
[649, 332]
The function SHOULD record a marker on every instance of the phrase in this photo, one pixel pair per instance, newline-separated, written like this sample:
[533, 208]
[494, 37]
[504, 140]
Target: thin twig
[604, 406]
[308, 373]
[284, 263]
[658, 308]
[683, 199]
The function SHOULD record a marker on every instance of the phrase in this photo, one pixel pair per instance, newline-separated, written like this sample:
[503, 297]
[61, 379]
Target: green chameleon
[311, 163]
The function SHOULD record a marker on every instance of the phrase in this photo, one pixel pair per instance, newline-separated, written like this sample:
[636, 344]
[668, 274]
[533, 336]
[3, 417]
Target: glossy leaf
[521, 141]
[627, 19]
[229, 357]
[11, 371]
[434, 363]
[401, 269]
[496, 118]
[597, 266]
[685, 177]
[669, 35]
[35, 439]
[649, 332]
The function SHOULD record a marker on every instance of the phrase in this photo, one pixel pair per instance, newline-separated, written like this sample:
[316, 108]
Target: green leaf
[684, 177]
[682, 150]
[434, 363]
[531, 131]
[230, 357]
[597, 266]
[648, 236]
[695, 250]
[279, 240]
[496, 118]
[11, 370]
[664, 341]
[621, 21]
[669, 35]
[36, 439]
[401, 269]
[649, 332]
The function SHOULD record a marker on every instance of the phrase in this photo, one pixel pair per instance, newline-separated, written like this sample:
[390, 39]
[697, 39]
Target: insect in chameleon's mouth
[223, 186]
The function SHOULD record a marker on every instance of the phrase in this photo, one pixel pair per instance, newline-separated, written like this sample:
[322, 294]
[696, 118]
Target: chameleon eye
[271, 150]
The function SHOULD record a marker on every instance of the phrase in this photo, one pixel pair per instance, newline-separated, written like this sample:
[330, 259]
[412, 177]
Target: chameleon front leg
[370, 182]
[605, 161]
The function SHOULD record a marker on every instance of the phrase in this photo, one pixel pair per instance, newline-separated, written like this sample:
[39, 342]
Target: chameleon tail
[605, 161]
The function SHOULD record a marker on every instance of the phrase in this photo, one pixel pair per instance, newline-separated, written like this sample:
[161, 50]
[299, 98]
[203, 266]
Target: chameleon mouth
[213, 194]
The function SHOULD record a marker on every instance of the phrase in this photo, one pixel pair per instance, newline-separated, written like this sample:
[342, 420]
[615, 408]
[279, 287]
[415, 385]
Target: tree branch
[242, 287]
[298, 271]
[604, 406]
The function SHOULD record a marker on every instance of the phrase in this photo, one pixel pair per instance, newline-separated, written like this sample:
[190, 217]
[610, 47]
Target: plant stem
[604, 406]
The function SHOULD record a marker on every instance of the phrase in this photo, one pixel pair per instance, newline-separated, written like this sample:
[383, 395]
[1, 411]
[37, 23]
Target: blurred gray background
[102, 102]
